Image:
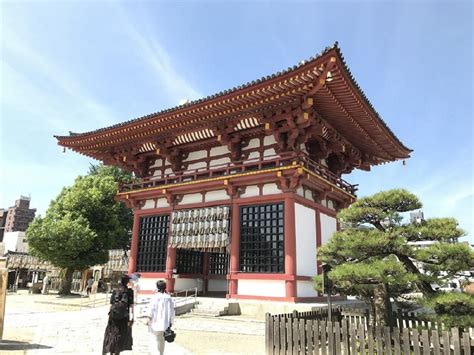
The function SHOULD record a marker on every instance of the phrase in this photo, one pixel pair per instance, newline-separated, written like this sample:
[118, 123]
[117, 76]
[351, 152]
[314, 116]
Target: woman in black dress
[118, 334]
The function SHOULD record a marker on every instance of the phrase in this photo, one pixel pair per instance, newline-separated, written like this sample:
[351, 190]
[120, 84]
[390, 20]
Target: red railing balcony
[229, 169]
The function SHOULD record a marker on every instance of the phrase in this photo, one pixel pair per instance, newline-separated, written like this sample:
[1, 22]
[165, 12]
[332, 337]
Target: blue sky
[83, 65]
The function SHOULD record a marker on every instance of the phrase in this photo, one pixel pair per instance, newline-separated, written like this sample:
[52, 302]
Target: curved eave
[257, 95]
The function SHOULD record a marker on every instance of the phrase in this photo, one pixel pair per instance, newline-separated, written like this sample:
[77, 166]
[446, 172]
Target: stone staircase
[208, 307]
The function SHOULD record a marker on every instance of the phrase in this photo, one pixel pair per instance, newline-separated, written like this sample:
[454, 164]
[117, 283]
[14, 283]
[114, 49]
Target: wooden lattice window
[188, 261]
[153, 243]
[262, 238]
[218, 263]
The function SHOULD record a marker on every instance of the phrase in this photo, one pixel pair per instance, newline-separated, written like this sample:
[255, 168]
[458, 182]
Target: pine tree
[373, 257]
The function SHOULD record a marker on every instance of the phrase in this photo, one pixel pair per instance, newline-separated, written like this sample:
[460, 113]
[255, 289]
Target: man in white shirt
[160, 317]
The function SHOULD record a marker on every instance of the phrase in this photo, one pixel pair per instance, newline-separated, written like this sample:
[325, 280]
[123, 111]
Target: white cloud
[152, 52]
[26, 59]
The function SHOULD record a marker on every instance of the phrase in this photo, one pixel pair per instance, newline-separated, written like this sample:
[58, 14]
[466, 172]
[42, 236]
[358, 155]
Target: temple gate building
[236, 191]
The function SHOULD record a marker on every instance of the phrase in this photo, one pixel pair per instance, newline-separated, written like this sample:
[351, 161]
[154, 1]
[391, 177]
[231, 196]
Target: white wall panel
[305, 289]
[272, 288]
[269, 140]
[305, 228]
[148, 284]
[253, 143]
[254, 155]
[300, 191]
[199, 165]
[219, 151]
[216, 195]
[162, 203]
[328, 227]
[330, 205]
[158, 163]
[200, 154]
[181, 284]
[217, 285]
[251, 191]
[271, 189]
[148, 204]
[191, 198]
[220, 161]
[269, 152]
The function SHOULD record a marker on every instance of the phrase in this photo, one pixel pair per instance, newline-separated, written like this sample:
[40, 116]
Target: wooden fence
[286, 334]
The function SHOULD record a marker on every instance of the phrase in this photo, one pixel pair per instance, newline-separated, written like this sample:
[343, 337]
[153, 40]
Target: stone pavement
[37, 324]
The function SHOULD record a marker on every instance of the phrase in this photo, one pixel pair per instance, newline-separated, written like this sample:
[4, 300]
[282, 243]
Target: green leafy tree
[454, 309]
[82, 224]
[373, 258]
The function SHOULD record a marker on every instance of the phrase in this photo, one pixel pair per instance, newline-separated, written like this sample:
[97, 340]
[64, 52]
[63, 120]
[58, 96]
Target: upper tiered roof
[337, 98]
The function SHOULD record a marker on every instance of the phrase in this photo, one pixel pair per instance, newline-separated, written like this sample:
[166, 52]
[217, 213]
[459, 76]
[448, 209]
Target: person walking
[118, 333]
[46, 284]
[160, 317]
[90, 282]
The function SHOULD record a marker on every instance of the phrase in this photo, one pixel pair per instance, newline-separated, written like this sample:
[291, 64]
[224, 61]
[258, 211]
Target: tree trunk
[425, 287]
[65, 288]
[382, 305]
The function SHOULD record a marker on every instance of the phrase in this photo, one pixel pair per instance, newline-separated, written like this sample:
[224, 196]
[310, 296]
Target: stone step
[206, 312]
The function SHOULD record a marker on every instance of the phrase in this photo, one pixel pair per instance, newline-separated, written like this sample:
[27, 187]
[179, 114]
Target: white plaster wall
[273, 288]
[200, 154]
[162, 203]
[199, 165]
[168, 171]
[305, 289]
[158, 163]
[305, 229]
[254, 155]
[328, 227]
[251, 191]
[220, 161]
[216, 195]
[270, 189]
[219, 151]
[330, 205]
[148, 284]
[254, 143]
[269, 152]
[217, 285]
[148, 204]
[269, 140]
[300, 191]
[191, 198]
[181, 284]
[308, 194]
[303, 148]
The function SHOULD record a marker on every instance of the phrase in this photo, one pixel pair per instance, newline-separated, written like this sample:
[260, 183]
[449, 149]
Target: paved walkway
[38, 324]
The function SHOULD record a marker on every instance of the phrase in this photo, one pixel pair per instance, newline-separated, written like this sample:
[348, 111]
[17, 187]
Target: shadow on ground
[20, 345]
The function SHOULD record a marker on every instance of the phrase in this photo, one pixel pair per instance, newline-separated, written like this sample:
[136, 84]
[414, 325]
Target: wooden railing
[229, 169]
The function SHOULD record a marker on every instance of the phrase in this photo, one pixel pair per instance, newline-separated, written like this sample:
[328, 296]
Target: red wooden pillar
[234, 251]
[290, 247]
[132, 261]
[205, 272]
[170, 265]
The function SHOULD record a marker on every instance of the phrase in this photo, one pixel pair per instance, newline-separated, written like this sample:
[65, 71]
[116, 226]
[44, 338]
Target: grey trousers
[156, 343]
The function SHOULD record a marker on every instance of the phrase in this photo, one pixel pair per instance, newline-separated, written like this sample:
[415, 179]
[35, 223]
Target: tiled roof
[76, 138]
